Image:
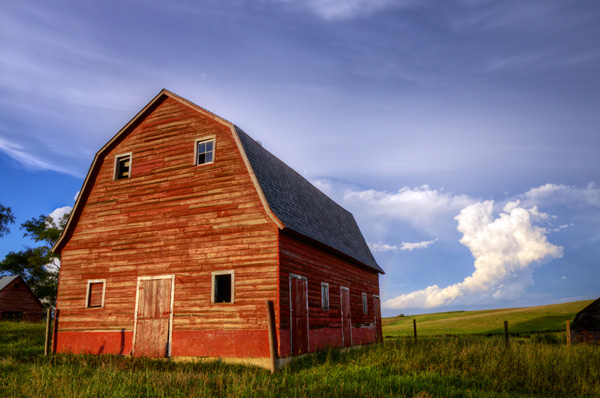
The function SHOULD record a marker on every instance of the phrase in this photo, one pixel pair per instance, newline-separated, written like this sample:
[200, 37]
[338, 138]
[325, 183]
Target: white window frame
[87, 293]
[205, 139]
[117, 157]
[213, 286]
[323, 306]
[365, 303]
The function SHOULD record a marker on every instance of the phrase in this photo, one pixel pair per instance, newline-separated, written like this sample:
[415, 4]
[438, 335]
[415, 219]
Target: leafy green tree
[6, 217]
[38, 266]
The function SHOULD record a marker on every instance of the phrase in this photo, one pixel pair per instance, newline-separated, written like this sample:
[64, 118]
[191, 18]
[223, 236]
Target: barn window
[205, 151]
[223, 287]
[17, 284]
[95, 294]
[122, 166]
[365, 304]
[325, 296]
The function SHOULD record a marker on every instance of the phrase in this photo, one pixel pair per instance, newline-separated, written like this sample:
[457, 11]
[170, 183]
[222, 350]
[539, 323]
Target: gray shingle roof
[6, 280]
[302, 208]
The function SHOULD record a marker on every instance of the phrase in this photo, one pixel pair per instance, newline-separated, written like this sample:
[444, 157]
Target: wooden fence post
[415, 329]
[506, 332]
[272, 335]
[568, 333]
[48, 332]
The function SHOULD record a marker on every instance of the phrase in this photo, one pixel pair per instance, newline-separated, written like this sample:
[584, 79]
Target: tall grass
[445, 367]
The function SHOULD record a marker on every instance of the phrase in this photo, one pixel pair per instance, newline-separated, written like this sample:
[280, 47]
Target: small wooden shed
[17, 301]
[586, 325]
[185, 226]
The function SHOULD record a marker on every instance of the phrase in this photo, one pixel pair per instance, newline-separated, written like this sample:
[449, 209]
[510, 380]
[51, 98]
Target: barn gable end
[17, 301]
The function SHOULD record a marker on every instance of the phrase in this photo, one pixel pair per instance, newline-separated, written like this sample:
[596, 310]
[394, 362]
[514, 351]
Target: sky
[462, 134]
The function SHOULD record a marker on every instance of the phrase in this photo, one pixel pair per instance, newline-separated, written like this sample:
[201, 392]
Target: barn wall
[318, 265]
[171, 218]
[20, 299]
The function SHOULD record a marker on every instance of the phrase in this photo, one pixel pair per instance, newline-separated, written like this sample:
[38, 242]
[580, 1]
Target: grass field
[548, 318]
[462, 366]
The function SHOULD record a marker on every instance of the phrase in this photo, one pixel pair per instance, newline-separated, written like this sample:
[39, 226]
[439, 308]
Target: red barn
[185, 226]
[17, 301]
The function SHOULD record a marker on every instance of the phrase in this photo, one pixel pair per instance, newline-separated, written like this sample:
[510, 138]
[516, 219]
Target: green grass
[463, 366]
[548, 318]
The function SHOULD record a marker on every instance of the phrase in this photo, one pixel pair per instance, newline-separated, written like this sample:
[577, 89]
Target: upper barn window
[122, 166]
[205, 151]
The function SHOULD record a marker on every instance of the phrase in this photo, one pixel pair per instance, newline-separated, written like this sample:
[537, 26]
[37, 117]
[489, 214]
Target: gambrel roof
[292, 202]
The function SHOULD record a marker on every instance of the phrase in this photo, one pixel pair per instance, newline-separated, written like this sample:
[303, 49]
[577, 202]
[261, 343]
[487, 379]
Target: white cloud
[550, 194]
[345, 9]
[384, 247]
[57, 214]
[28, 160]
[506, 249]
[417, 245]
[424, 208]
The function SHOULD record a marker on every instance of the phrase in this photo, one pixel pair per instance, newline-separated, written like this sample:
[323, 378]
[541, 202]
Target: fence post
[272, 335]
[506, 332]
[48, 333]
[568, 333]
[415, 329]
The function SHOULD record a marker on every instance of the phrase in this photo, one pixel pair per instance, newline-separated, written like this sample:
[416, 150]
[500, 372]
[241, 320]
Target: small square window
[95, 294]
[223, 288]
[122, 167]
[205, 151]
[325, 296]
[365, 304]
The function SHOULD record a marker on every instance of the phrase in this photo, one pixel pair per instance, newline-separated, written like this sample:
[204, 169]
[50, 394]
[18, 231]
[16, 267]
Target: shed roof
[6, 280]
[588, 318]
[291, 201]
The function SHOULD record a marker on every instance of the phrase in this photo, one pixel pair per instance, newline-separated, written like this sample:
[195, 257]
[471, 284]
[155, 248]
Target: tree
[6, 217]
[38, 266]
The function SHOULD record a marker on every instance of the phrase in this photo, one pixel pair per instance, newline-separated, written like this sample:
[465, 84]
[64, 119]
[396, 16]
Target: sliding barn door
[346, 319]
[153, 319]
[299, 314]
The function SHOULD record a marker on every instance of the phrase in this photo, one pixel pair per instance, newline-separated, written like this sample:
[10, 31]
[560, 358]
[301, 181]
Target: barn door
[153, 317]
[299, 314]
[377, 312]
[346, 319]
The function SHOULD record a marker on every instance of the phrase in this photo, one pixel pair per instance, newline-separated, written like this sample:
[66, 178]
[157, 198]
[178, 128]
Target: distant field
[547, 318]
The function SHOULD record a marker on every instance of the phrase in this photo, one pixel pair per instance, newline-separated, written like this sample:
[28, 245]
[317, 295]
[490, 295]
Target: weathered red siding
[171, 217]
[301, 257]
[20, 299]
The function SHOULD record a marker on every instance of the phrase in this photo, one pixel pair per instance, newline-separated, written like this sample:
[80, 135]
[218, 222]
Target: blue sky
[463, 135]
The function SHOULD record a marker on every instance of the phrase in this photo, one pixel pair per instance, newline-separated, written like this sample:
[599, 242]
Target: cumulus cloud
[345, 9]
[422, 207]
[57, 214]
[505, 248]
[384, 247]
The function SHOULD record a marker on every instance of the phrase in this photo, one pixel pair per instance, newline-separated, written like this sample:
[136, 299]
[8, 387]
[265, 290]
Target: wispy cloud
[405, 246]
[345, 9]
[505, 248]
[29, 161]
